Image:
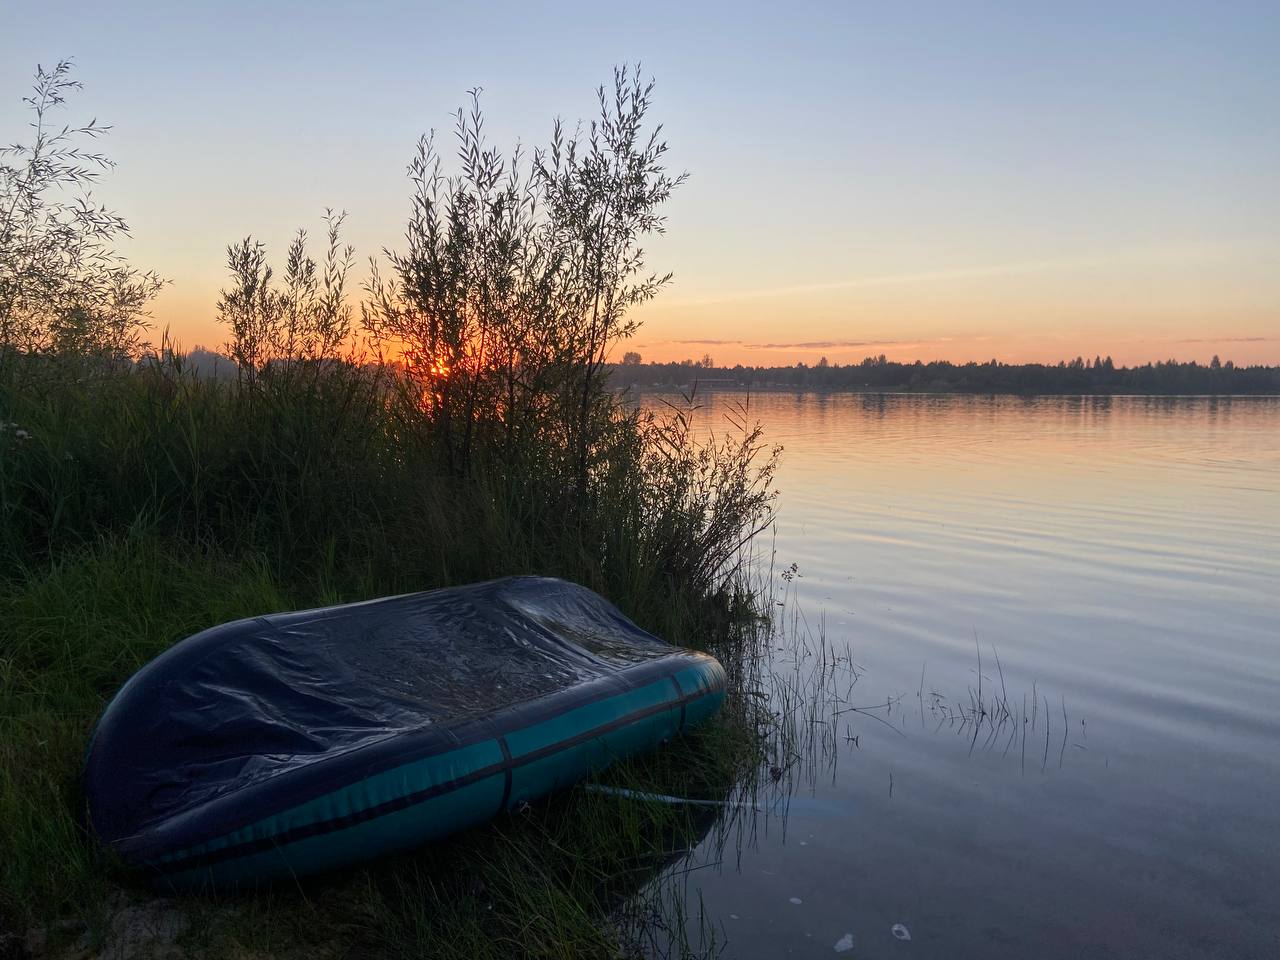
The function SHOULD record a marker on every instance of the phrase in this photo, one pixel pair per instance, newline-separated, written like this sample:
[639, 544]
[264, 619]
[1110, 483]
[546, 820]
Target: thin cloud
[893, 279]
[960, 273]
[1230, 340]
[831, 344]
[804, 345]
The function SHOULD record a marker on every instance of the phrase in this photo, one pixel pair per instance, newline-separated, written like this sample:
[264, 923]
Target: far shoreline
[705, 386]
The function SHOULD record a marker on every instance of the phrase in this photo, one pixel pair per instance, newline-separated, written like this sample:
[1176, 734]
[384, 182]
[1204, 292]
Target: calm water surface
[1122, 558]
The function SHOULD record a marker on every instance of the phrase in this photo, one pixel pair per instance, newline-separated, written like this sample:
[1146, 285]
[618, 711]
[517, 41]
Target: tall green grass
[337, 477]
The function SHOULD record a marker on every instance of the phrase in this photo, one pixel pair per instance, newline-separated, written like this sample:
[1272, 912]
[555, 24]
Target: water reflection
[1102, 783]
[807, 690]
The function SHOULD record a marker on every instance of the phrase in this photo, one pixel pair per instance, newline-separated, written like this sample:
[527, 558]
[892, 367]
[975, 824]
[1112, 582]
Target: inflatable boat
[296, 743]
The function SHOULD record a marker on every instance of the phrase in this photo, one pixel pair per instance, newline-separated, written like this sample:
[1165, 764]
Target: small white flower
[21, 435]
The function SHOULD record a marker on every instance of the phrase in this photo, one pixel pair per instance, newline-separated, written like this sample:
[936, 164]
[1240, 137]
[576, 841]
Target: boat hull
[301, 743]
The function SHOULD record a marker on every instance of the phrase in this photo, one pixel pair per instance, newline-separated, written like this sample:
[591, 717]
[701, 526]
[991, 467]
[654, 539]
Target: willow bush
[63, 288]
[518, 275]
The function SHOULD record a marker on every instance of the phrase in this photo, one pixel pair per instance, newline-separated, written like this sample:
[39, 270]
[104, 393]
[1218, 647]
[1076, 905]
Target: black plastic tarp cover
[242, 703]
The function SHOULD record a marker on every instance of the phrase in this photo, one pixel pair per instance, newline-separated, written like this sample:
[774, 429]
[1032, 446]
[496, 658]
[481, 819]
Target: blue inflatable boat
[290, 744]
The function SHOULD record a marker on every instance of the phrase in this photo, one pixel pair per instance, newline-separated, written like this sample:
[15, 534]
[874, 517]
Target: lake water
[1120, 795]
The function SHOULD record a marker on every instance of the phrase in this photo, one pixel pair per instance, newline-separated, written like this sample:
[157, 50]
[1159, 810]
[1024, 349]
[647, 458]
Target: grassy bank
[142, 506]
[455, 425]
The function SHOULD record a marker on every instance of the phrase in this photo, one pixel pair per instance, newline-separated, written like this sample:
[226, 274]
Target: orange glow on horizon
[672, 332]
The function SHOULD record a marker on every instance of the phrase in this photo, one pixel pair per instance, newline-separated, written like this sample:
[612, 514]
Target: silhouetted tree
[63, 287]
[304, 318]
[520, 274]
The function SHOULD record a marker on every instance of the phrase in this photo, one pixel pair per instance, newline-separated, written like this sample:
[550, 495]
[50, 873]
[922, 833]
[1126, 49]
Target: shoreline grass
[538, 883]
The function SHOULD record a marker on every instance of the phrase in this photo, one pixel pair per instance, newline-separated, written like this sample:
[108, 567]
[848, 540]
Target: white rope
[662, 797]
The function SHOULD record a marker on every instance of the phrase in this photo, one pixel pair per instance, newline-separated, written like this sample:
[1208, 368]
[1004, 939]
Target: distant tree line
[1099, 375]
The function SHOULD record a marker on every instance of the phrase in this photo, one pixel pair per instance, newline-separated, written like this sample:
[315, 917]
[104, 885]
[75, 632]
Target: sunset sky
[925, 180]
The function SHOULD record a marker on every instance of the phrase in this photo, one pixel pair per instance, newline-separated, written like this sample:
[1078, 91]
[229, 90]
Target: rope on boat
[663, 798]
